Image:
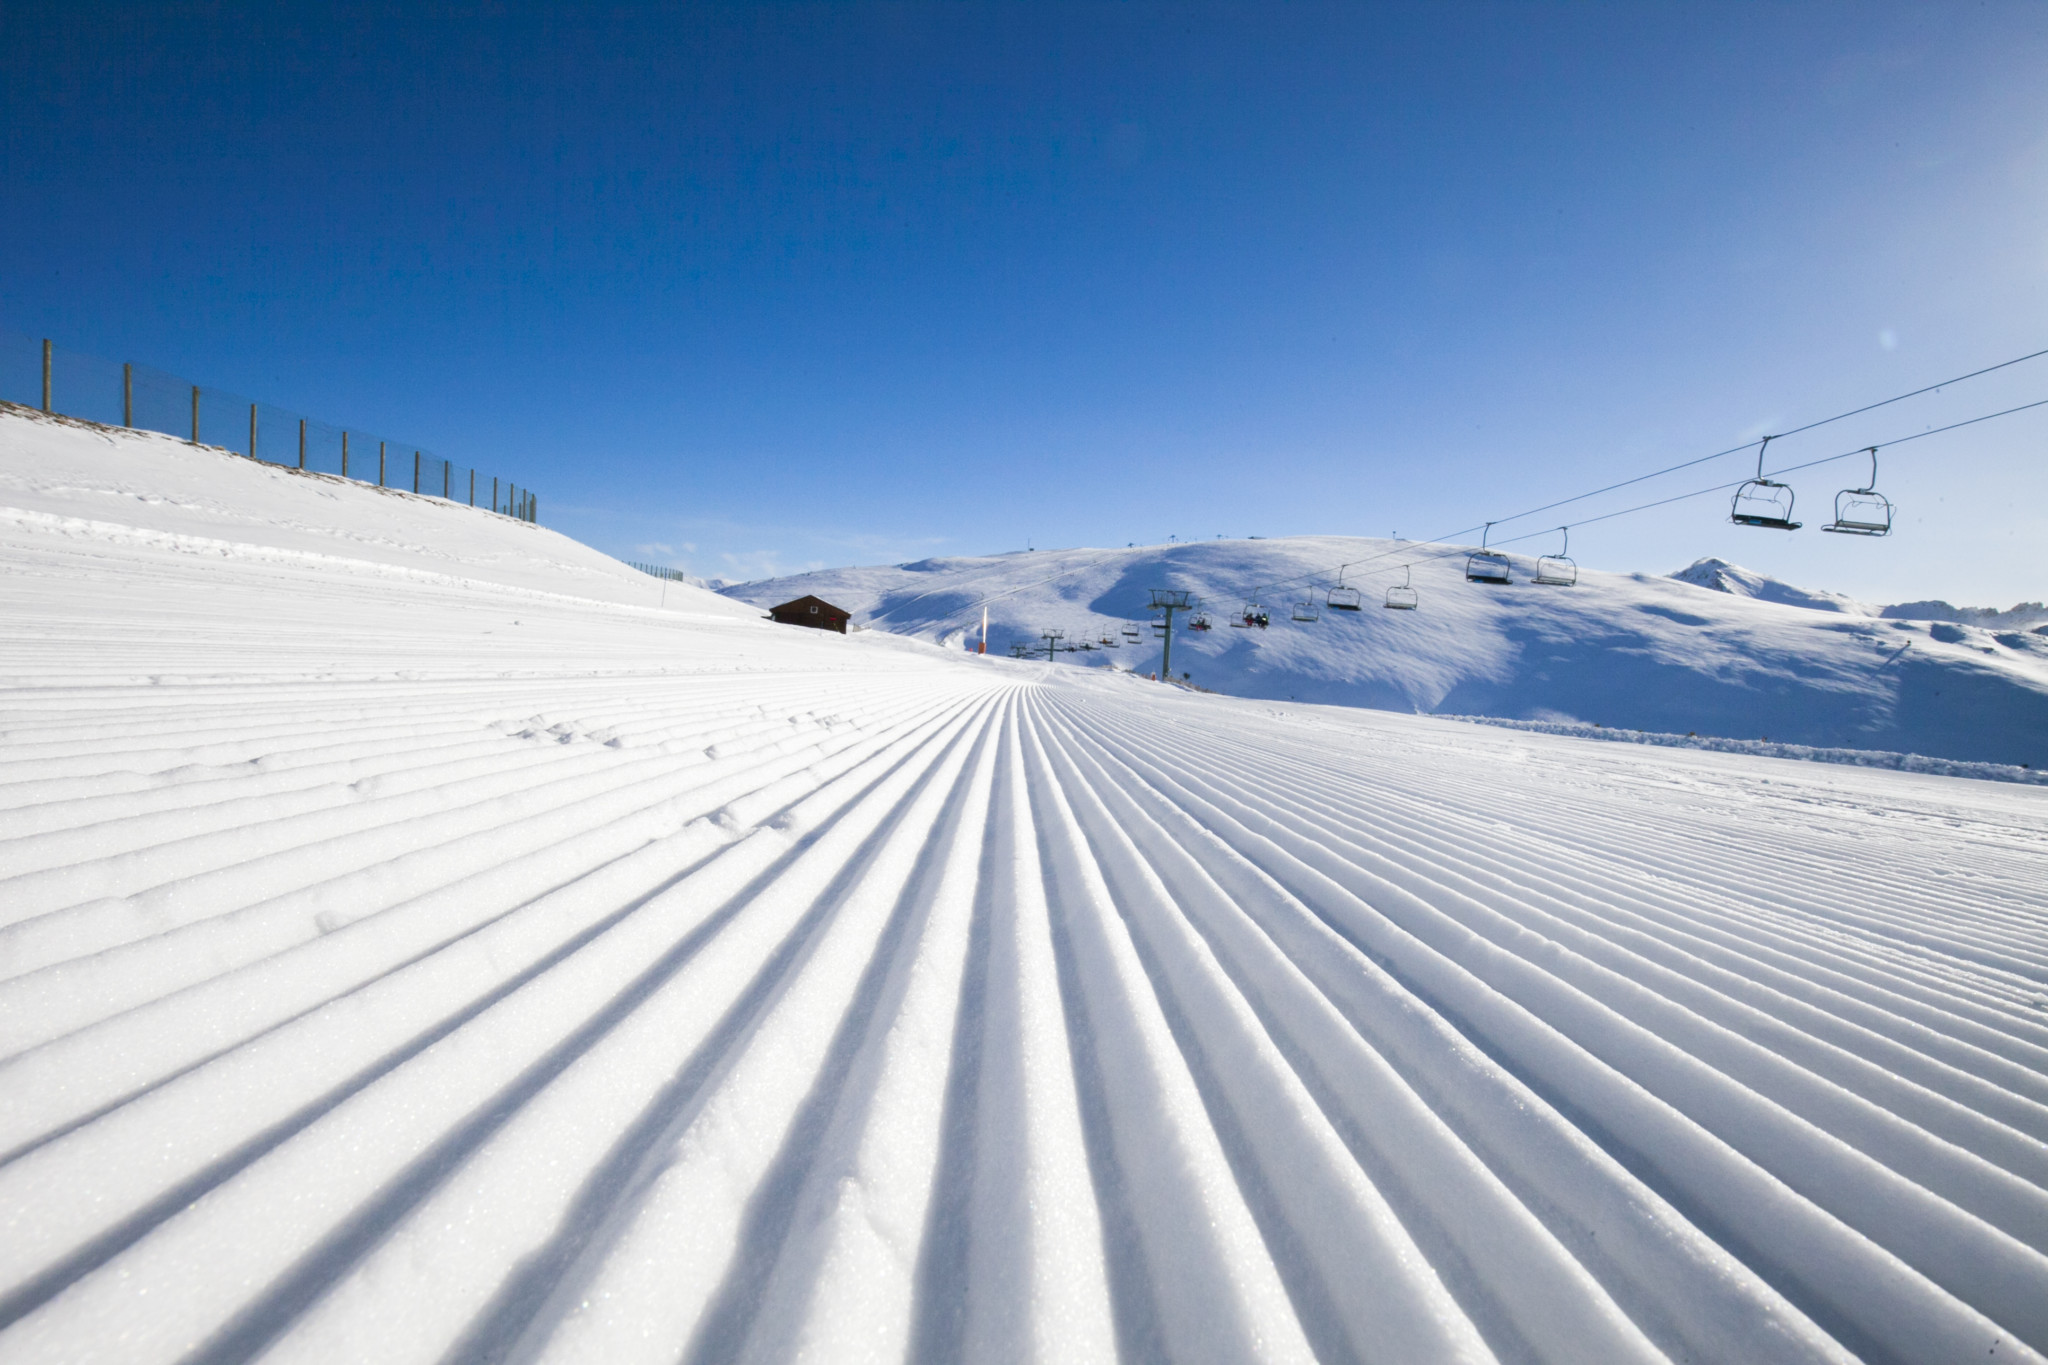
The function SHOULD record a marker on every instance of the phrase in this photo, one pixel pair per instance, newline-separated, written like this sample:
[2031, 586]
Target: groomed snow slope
[1642, 651]
[87, 481]
[408, 970]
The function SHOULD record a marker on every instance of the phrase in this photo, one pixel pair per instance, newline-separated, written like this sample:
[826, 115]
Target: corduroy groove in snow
[415, 969]
[979, 1020]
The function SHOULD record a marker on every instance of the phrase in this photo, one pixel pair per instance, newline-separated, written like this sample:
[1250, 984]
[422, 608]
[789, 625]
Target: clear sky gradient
[755, 288]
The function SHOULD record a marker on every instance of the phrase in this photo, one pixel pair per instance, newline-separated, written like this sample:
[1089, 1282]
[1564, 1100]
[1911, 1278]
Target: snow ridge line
[137, 537]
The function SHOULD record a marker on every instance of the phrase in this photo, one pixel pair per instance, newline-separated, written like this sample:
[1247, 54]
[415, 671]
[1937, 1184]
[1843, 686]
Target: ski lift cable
[1788, 469]
[1719, 454]
[1452, 551]
[1446, 538]
[1776, 436]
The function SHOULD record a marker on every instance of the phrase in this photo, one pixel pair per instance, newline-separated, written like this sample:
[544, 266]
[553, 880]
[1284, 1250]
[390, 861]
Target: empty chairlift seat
[1487, 566]
[1401, 596]
[1763, 502]
[1559, 570]
[1862, 511]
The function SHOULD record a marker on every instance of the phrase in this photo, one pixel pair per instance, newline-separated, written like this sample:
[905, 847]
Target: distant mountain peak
[1719, 575]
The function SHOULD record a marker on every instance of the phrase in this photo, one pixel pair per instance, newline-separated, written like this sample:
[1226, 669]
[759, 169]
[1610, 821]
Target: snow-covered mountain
[418, 943]
[1714, 650]
[1722, 576]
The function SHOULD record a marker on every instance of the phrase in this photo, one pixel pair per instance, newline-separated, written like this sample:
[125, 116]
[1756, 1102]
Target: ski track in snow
[382, 979]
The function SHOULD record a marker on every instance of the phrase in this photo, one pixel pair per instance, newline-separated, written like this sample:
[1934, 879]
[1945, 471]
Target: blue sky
[758, 288]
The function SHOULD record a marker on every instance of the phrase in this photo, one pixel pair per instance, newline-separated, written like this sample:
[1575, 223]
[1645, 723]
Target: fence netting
[34, 373]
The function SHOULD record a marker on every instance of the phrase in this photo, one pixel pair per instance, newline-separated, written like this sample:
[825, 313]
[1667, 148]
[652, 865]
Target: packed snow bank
[1638, 651]
[1859, 758]
[81, 479]
[410, 967]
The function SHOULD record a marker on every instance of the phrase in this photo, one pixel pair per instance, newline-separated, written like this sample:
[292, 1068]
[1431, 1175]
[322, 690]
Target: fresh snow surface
[436, 966]
[143, 490]
[1639, 651]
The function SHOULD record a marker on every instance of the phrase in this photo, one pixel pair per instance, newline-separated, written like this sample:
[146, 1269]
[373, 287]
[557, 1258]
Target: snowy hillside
[405, 959]
[86, 482]
[1731, 654]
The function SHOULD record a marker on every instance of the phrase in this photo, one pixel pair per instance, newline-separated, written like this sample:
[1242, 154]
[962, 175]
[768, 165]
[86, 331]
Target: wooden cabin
[814, 612]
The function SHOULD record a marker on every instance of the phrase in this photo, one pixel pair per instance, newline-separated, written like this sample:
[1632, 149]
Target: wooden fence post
[380, 464]
[195, 414]
[344, 454]
[302, 443]
[252, 431]
[472, 488]
[46, 374]
[494, 492]
[415, 471]
[127, 394]
[447, 473]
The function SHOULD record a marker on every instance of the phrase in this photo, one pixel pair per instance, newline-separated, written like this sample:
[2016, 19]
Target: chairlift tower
[1052, 640]
[1167, 601]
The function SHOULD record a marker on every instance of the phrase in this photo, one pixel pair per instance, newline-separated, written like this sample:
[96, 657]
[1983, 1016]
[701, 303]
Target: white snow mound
[147, 489]
[1714, 652]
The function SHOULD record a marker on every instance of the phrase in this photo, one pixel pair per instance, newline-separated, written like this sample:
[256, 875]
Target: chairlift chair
[1305, 610]
[1401, 596]
[1131, 631]
[1341, 598]
[1862, 511]
[1559, 570]
[1487, 566]
[1761, 501]
[1199, 621]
